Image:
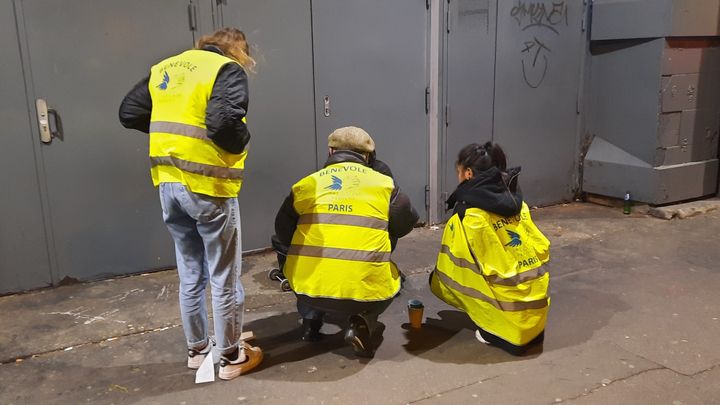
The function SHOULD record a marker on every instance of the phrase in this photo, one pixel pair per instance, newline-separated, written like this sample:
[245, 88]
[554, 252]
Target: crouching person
[490, 261]
[334, 232]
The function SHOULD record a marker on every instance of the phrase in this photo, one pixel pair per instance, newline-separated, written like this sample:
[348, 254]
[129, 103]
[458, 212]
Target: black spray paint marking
[538, 16]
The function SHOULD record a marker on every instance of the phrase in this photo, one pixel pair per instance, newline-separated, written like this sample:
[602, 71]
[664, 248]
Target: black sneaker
[358, 336]
[311, 330]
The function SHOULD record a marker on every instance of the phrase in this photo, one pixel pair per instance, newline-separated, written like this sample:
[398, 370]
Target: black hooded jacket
[225, 110]
[491, 190]
[402, 215]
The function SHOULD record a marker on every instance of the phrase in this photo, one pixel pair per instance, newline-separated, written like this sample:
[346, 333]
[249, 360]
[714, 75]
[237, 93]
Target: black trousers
[316, 308]
[509, 347]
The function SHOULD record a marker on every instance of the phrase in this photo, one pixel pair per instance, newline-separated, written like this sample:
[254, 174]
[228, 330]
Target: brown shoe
[247, 359]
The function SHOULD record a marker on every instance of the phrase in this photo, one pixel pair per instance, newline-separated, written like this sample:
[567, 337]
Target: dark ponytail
[479, 158]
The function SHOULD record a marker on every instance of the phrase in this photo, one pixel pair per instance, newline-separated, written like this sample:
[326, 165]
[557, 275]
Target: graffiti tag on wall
[536, 17]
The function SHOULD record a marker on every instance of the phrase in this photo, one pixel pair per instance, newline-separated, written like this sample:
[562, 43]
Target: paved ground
[635, 318]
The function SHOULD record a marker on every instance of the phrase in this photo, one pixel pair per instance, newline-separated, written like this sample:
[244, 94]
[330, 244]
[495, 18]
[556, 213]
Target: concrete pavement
[634, 319]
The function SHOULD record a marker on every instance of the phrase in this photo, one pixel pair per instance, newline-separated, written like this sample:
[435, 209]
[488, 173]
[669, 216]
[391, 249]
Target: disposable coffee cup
[415, 313]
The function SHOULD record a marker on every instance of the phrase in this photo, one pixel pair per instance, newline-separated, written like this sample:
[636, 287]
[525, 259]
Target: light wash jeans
[206, 231]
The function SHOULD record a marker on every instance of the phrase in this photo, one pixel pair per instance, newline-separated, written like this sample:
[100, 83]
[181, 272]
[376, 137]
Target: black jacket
[226, 107]
[491, 190]
[402, 214]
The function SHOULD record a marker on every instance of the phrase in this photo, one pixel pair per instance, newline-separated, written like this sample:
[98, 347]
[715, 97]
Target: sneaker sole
[479, 337]
[194, 363]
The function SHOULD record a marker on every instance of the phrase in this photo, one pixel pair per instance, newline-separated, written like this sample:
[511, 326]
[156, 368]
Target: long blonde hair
[232, 43]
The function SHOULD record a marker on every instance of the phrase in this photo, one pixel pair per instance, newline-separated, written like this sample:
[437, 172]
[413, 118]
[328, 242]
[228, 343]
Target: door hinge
[447, 115]
[447, 17]
[427, 100]
[427, 4]
[427, 196]
[192, 17]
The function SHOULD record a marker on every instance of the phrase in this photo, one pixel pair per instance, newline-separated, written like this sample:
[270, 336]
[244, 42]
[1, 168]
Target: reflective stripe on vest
[177, 128]
[197, 168]
[501, 305]
[341, 246]
[495, 279]
[345, 219]
[343, 254]
[500, 283]
[180, 150]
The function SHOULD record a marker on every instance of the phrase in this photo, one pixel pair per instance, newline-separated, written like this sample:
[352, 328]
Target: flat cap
[351, 138]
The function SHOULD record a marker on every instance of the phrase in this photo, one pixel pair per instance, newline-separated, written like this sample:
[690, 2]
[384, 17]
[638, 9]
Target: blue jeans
[206, 231]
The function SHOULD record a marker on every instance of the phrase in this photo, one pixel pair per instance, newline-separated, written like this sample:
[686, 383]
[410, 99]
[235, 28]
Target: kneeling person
[490, 262]
[334, 231]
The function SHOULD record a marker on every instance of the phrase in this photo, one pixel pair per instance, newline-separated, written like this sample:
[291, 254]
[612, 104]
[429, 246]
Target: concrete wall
[623, 19]
[655, 100]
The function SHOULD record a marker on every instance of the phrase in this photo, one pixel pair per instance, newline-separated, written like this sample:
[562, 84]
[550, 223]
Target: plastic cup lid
[415, 304]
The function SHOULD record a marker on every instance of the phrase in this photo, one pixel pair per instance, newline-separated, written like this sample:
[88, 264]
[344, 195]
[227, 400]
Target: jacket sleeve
[136, 107]
[285, 222]
[226, 109]
[403, 216]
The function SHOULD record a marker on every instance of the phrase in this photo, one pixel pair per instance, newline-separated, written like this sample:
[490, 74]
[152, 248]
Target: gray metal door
[371, 67]
[82, 56]
[281, 114]
[23, 252]
[469, 77]
[539, 59]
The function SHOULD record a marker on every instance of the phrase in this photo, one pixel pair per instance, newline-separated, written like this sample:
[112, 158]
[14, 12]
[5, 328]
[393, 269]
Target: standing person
[333, 233]
[193, 105]
[490, 262]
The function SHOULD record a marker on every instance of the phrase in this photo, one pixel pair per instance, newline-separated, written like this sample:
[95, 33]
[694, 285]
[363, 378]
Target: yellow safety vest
[341, 247]
[180, 150]
[491, 267]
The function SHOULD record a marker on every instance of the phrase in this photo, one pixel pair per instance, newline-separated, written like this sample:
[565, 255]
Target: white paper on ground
[206, 372]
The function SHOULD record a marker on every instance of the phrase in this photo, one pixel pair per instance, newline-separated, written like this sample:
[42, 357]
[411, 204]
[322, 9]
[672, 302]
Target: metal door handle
[43, 121]
[326, 102]
[48, 122]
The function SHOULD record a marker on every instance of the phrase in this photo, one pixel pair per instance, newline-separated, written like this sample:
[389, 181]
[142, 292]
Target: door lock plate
[43, 121]
[326, 104]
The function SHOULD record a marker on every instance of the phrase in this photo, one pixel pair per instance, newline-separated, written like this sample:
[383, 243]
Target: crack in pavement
[22, 357]
[71, 346]
[605, 385]
[640, 356]
[662, 365]
[658, 366]
[711, 368]
[437, 394]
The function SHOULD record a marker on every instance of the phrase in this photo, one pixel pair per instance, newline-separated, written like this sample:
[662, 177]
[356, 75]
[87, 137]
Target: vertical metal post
[433, 113]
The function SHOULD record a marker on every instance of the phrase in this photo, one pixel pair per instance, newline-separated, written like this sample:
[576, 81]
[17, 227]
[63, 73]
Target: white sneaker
[196, 357]
[479, 337]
